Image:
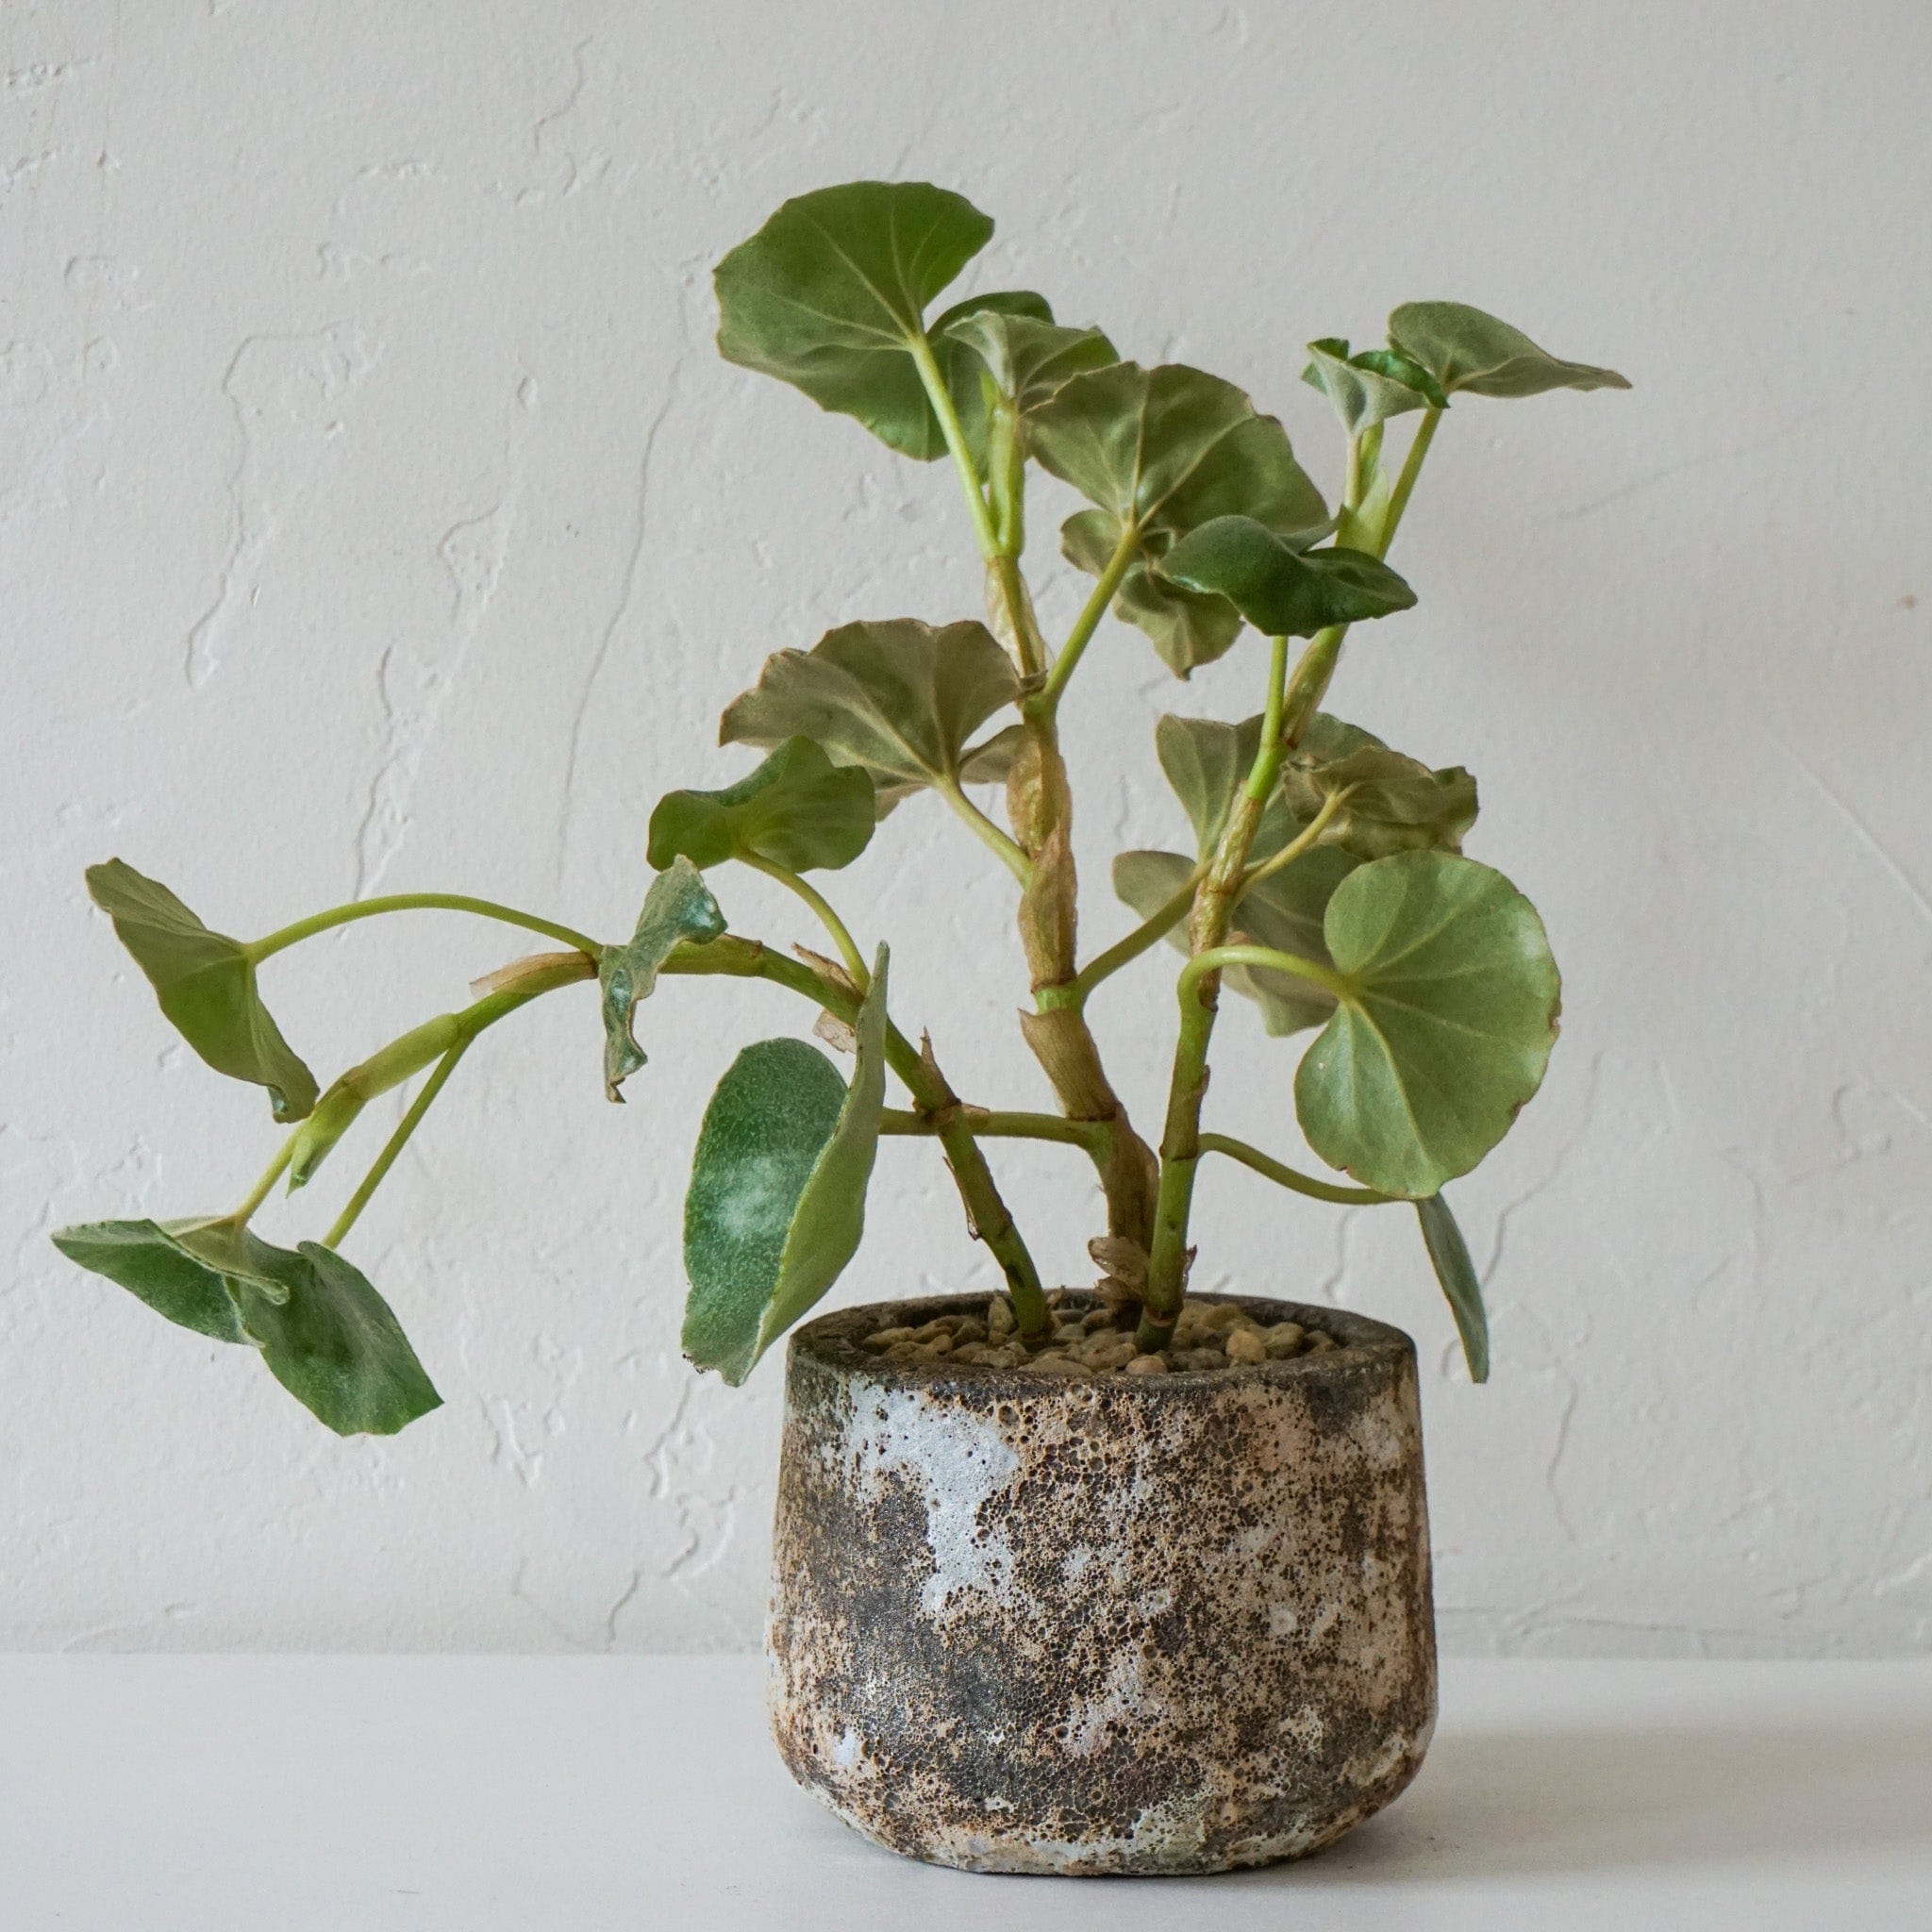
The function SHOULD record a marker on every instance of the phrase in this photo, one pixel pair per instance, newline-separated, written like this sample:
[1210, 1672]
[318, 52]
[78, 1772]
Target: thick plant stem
[417, 902]
[1180, 1140]
[932, 1097]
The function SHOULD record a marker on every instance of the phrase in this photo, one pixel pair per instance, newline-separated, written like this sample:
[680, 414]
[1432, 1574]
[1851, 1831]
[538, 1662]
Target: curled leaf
[776, 1205]
[797, 809]
[1466, 350]
[1389, 803]
[205, 982]
[1371, 387]
[1455, 1271]
[1281, 590]
[678, 907]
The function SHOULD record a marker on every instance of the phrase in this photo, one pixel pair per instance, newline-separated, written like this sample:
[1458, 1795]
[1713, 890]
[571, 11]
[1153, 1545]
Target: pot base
[1109, 1626]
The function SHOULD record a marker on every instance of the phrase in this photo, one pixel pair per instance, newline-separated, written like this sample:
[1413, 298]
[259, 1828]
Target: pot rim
[830, 1343]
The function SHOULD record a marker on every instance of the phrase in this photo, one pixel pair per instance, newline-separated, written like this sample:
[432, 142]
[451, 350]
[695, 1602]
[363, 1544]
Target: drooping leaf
[206, 984]
[1390, 803]
[991, 760]
[1464, 349]
[1372, 387]
[797, 809]
[1208, 763]
[1283, 911]
[1023, 353]
[1447, 1016]
[324, 1333]
[678, 907]
[1158, 452]
[1455, 1271]
[334, 1346]
[831, 294]
[1186, 629]
[338, 1109]
[1278, 589]
[776, 1205]
[899, 698]
[177, 1267]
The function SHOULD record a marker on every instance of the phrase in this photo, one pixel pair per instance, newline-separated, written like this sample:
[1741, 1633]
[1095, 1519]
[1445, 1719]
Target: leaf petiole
[396, 1143]
[971, 486]
[988, 834]
[258, 950]
[1292, 1178]
[262, 1188]
[1046, 700]
[848, 951]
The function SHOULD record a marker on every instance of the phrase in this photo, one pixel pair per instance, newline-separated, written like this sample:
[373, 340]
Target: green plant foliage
[338, 1109]
[1015, 360]
[1280, 589]
[1447, 1014]
[1369, 387]
[205, 985]
[776, 1205]
[899, 698]
[1159, 451]
[1455, 1271]
[678, 907]
[1207, 762]
[324, 1333]
[1388, 803]
[1466, 350]
[797, 809]
[830, 295]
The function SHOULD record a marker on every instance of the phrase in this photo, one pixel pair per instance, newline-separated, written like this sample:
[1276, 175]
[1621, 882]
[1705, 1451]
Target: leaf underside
[678, 907]
[1467, 350]
[797, 809]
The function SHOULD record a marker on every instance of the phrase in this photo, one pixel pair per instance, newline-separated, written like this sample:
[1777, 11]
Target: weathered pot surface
[1117, 1624]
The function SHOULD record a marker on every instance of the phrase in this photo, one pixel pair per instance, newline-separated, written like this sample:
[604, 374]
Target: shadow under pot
[1103, 1625]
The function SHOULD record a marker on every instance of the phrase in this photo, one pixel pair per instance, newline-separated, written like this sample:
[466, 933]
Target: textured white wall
[373, 512]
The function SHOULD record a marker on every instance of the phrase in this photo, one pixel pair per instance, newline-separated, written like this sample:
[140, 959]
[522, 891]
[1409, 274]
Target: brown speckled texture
[1177, 1623]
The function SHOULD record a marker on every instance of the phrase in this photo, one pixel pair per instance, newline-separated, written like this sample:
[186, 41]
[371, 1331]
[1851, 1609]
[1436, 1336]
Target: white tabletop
[357, 1794]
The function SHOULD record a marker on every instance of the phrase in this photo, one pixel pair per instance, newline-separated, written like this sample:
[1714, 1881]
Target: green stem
[969, 484]
[1267, 765]
[1289, 1178]
[396, 1143]
[1405, 483]
[544, 976]
[1045, 702]
[1150, 932]
[1309, 835]
[416, 902]
[1003, 1125]
[988, 834]
[854, 958]
[260, 1190]
[1212, 959]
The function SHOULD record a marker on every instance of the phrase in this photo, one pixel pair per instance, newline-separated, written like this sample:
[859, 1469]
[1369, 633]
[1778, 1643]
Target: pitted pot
[1117, 1624]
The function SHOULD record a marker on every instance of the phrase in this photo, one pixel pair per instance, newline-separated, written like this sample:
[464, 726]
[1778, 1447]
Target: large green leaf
[1158, 452]
[678, 907]
[777, 1204]
[1280, 589]
[830, 295]
[206, 984]
[797, 809]
[334, 1346]
[1284, 911]
[1455, 1271]
[1447, 1015]
[1464, 349]
[1390, 803]
[899, 698]
[1370, 387]
[324, 1333]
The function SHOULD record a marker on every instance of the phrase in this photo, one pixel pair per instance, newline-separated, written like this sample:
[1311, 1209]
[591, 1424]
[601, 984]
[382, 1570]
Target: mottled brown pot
[1121, 1624]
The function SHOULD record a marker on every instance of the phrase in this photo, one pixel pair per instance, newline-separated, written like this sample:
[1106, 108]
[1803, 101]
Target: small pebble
[999, 1319]
[882, 1339]
[1246, 1346]
[1096, 1319]
[939, 1324]
[1058, 1365]
[1147, 1365]
[969, 1329]
[1319, 1343]
[1221, 1317]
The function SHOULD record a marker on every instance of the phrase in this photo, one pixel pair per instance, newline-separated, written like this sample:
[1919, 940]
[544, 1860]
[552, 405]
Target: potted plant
[1108, 1580]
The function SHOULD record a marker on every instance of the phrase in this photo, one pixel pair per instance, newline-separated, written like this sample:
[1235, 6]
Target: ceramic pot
[1107, 1625]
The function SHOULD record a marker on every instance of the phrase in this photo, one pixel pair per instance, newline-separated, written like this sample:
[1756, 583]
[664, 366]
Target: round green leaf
[1447, 1012]
[797, 809]
[776, 1205]
[205, 982]
[1280, 589]
[900, 698]
[831, 293]
[1464, 349]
